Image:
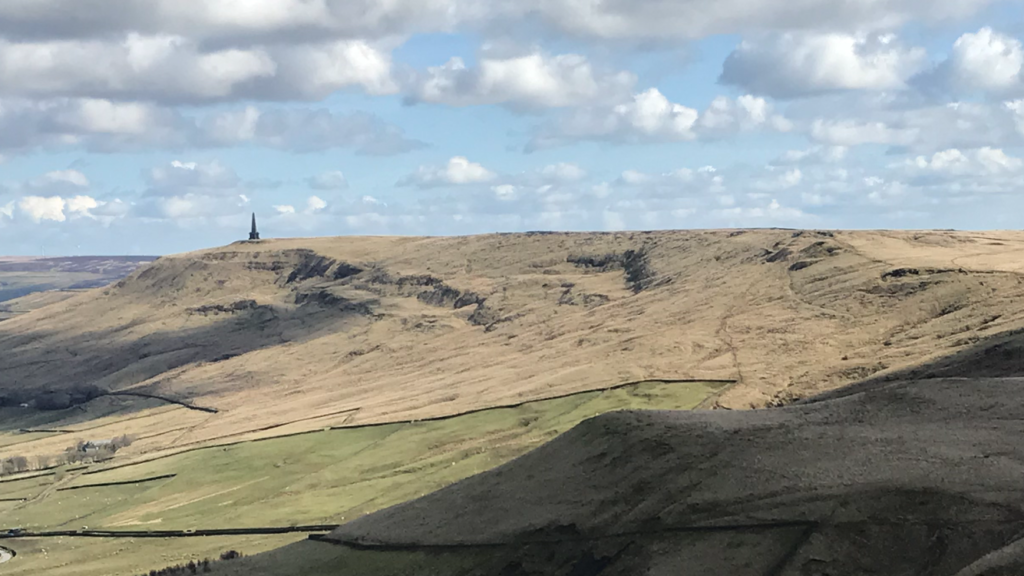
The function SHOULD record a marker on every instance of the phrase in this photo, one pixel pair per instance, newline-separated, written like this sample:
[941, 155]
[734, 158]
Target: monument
[253, 234]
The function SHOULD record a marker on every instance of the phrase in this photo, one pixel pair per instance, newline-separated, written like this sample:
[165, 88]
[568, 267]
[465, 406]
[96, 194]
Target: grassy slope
[321, 477]
[733, 306]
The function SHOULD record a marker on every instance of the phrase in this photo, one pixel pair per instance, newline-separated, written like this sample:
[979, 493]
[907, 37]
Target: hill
[57, 278]
[365, 330]
[908, 478]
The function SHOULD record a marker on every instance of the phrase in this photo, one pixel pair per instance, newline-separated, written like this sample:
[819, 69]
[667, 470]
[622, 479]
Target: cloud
[189, 206]
[304, 130]
[725, 116]
[855, 133]
[285, 209]
[177, 178]
[332, 180]
[39, 208]
[985, 61]
[167, 68]
[651, 117]
[811, 156]
[59, 180]
[249, 21]
[912, 126]
[504, 191]
[563, 172]
[522, 82]
[956, 163]
[788, 179]
[106, 126]
[315, 204]
[459, 170]
[800, 64]
[693, 19]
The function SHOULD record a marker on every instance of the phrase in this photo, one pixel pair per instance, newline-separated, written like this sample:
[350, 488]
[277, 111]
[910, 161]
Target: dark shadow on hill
[998, 356]
[909, 478]
[66, 373]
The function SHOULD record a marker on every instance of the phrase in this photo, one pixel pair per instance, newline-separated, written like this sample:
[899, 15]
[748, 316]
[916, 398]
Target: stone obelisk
[253, 234]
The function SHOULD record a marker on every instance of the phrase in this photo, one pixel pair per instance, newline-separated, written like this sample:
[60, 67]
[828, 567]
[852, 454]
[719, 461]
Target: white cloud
[953, 162]
[563, 172]
[799, 64]
[7, 210]
[984, 61]
[82, 205]
[190, 206]
[692, 19]
[533, 80]
[855, 133]
[788, 179]
[727, 116]
[652, 117]
[1016, 108]
[73, 178]
[332, 180]
[175, 68]
[911, 127]
[504, 191]
[180, 178]
[316, 71]
[257, 20]
[304, 130]
[459, 170]
[315, 204]
[813, 155]
[39, 208]
[651, 114]
[285, 209]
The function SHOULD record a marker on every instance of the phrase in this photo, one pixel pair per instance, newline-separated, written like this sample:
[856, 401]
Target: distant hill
[20, 276]
[290, 335]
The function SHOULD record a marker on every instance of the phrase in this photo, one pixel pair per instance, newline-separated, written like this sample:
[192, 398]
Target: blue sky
[158, 126]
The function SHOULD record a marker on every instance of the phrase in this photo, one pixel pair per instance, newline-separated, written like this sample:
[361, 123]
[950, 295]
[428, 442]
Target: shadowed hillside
[909, 478]
[362, 330]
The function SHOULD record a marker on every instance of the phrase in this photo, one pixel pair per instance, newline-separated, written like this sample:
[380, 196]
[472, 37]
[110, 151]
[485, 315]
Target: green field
[326, 477]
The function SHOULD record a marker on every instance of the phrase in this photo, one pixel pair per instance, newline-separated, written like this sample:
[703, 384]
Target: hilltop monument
[253, 234]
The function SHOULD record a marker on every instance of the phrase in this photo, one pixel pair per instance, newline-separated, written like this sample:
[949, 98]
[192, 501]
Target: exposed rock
[240, 306]
[601, 262]
[900, 273]
[312, 265]
[796, 266]
[635, 264]
[779, 256]
[570, 298]
[328, 299]
[346, 270]
[445, 296]
[820, 249]
[639, 274]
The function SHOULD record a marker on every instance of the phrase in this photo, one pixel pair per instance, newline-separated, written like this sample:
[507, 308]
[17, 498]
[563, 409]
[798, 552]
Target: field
[325, 477]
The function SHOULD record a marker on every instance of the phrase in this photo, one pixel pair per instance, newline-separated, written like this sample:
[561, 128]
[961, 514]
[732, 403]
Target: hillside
[281, 336]
[912, 478]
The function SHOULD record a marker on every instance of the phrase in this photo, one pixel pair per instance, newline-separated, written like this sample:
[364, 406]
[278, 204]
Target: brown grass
[373, 348]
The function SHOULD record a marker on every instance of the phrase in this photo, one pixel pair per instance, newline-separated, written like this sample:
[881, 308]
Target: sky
[158, 126]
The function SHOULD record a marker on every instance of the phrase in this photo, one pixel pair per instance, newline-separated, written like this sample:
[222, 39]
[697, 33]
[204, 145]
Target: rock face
[916, 477]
